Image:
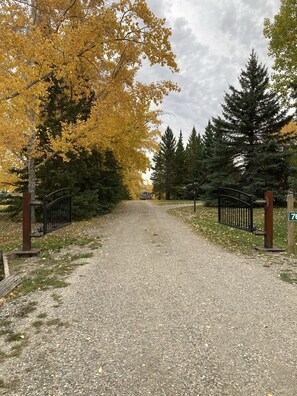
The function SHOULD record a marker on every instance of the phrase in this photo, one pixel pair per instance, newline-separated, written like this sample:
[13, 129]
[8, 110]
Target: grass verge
[205, 222]
[52, 267]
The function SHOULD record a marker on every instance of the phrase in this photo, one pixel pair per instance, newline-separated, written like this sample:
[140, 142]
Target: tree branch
[28, 86]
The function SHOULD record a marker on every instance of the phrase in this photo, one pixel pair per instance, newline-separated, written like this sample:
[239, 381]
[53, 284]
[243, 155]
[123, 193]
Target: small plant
[288, 277]
[27, 309]
[37, 324]
[42, 315]
[81, 256]
[42, 279]
[13, 337]
[57, 322]
[5, 322]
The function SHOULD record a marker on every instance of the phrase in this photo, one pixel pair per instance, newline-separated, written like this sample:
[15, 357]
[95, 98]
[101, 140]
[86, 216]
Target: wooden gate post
[26, 221]
[291, 225]
[268, 221]
[27, 250]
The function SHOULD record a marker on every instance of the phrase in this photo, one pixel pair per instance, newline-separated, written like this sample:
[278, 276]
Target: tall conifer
[180, 162]
[164, 169]
[251, 121]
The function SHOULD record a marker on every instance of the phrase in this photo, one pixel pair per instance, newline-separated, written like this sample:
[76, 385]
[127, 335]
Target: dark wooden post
[195, 198]
[27, 250]
[26, 221]
[268, 222]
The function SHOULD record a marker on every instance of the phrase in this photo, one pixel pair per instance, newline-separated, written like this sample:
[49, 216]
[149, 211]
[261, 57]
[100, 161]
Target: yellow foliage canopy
[92, 46]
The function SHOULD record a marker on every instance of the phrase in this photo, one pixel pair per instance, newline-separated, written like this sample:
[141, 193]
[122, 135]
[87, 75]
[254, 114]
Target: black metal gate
[235, 209]
[56, 210]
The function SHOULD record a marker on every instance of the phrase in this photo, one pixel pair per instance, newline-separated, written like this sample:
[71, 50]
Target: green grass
[50, 271]
[73, 234]
[41, 280]
[205, 222]
[289, 277]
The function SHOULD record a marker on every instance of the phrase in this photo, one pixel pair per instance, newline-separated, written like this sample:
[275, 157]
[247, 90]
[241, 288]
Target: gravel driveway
[160, 311]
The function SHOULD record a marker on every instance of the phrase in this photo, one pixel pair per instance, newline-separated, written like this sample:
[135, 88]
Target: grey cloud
[212, 45]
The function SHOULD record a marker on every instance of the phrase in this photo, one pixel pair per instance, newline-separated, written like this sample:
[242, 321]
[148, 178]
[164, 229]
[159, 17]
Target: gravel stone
[159, 311]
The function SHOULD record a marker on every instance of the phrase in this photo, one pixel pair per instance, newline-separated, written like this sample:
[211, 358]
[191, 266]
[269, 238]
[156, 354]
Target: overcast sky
[212, 40]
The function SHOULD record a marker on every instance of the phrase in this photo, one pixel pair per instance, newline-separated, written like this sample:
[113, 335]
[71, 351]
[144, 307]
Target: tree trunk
[32, 185]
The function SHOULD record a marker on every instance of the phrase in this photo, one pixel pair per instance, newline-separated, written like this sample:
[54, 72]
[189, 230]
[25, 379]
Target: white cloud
[212, 41]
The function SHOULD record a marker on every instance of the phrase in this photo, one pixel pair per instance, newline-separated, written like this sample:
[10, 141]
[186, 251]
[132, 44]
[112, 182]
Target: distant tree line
[244, 148]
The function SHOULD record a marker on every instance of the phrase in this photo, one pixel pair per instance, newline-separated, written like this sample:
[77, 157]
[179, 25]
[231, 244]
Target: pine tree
[207, 150]
[180, 165]
[95, 179]
[251, 122]
[220, 170]
[164, 169]
[194, 156]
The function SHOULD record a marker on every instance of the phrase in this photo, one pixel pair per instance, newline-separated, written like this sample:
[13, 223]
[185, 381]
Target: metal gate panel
[235, 209]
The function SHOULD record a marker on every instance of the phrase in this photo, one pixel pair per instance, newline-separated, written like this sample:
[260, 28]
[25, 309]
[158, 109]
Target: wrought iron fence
[235, 209]
[57, 210]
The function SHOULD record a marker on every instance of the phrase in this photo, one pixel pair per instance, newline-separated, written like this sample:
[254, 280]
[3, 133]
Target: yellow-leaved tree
[93, 46]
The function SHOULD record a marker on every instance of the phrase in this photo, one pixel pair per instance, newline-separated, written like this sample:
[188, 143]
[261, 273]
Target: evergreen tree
[208, 140]
[251, 122]
[164, 169]
[220, 170]
[207, 150]
[95, 179]
[194, 156]
[180, 165]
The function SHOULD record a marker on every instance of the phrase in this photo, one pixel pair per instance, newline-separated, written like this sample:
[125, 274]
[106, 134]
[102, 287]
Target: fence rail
[235, 209]
[57, 210]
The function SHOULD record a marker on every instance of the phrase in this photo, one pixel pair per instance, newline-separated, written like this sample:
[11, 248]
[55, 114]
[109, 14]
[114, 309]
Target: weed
[37, 324]
[57, 297]
[5, 322]
[57, 322]
[2, 356]
[25, 310]
[12, 337]
[41, 280]
[81, 256]
[5, 331]
[17, 349]
[287, 277]
[42, 315]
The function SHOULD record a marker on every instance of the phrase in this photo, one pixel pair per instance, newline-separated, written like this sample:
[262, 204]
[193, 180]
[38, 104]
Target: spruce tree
[207, 150]
[164, 169]
[219, 168]
[180, 166]
[251, 121]
[194, 156]
[94, 178]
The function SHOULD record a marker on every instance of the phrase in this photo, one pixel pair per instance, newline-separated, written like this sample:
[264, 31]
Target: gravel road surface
[160, 311]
